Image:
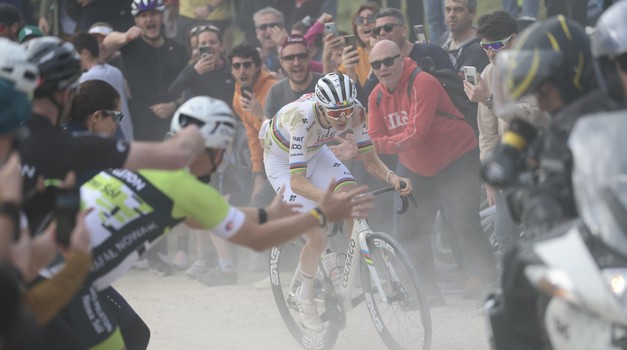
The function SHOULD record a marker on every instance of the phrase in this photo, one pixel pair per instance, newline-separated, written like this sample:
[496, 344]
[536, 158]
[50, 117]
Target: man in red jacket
[412, 116]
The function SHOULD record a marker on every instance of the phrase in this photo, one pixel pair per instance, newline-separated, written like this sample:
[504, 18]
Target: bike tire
[283, 265]
[399, 281]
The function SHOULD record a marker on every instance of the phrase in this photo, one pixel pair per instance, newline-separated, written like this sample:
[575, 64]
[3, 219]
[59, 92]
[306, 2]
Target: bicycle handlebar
[404, 199]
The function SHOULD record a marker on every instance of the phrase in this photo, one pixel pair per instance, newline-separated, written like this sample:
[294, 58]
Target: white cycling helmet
[15, 67]
[335, 90]
[213, 117]
[139, 6]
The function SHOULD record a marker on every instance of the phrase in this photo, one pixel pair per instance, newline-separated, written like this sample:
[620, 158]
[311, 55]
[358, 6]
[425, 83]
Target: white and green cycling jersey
[132, 210]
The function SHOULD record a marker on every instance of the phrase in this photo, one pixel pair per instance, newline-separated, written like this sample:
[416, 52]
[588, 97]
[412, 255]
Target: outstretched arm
[334, 207]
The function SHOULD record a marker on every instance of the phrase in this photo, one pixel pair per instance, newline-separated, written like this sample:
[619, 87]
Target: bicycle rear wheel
[403, 319]
[285, 279]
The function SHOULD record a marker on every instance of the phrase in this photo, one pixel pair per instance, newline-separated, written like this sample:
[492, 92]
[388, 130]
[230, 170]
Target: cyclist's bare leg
[309, 259]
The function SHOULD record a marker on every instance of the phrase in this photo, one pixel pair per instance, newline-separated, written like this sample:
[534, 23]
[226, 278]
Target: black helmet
[557, 50]
[58, 63]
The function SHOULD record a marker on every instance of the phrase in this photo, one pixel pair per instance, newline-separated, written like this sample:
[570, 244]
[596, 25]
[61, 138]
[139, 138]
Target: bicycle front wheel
[285, 278]
[401, 315]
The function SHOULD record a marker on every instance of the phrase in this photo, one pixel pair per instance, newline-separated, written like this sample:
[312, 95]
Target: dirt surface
[184, 314]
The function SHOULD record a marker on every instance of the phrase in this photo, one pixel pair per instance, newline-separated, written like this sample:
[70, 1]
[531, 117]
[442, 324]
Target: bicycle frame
[353, 263]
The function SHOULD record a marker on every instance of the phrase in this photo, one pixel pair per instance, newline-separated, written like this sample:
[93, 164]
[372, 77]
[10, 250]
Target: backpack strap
[412, 77]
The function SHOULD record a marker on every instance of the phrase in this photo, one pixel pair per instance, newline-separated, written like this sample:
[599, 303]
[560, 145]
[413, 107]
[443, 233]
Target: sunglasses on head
[301, 57]
[204, 28]
[388, 62]
[495, 45]
[359, 20]
[336, 114]
[268, 25]
[246, 65]
[387, 27]
[116, 115]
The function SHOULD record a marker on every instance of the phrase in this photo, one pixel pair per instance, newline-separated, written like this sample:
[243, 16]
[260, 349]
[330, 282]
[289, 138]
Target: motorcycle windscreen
[599, 144]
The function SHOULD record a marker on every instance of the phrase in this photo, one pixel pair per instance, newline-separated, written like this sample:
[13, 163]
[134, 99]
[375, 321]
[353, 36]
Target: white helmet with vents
[213, 117]
[16, 68]
[335, 90]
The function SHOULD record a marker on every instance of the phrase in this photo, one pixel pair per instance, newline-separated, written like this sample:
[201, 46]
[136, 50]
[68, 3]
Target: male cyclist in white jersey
[298, 161]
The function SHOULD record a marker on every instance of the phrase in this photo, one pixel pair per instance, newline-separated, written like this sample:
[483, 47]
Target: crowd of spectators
[142, 59]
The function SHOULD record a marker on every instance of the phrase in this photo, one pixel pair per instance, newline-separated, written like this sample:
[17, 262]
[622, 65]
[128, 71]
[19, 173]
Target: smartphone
[66, 205]
[330, 27]
[243, 90]
[421, 37]
[470, 74]
[351, 40]
[205, 51]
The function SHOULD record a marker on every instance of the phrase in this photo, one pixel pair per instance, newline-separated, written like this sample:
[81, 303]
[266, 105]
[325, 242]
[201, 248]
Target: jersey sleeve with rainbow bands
[364, 143]
[299, 125]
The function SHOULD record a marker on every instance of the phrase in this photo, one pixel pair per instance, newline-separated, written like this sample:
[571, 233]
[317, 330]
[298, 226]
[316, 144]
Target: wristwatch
[489, 102]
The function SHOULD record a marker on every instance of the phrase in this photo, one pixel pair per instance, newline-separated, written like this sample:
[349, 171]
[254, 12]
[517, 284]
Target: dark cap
[294, 39]
[9, 14]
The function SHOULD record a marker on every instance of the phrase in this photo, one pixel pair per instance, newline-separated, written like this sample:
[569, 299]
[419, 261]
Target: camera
[67, 203]
[503, 168]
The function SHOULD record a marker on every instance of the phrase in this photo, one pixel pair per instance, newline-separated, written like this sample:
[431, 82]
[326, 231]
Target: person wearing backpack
[437, 150]
[497, 32]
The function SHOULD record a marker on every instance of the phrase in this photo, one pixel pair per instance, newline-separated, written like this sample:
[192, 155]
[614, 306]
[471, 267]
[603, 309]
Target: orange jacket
[252, 123]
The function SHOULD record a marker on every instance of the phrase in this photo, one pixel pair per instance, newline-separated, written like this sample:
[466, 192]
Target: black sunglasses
[116, 115]
[359, 20]
[389, 61]
[301, 57]
[269, 25]
[387, 27]
[246, 65]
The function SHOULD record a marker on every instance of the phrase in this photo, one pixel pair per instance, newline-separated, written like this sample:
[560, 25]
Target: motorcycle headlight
[616, 279]
[553, 282]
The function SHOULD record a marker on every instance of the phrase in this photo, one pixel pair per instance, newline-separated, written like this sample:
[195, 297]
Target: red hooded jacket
[408, 125]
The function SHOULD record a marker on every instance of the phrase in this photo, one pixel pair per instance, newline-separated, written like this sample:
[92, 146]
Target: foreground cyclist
[298, 162]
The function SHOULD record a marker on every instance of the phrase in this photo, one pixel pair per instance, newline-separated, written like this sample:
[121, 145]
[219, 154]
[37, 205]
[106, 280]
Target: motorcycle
[567, 289]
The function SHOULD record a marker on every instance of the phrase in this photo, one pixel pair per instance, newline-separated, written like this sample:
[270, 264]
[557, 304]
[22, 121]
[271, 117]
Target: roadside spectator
[10, 22]
[439, 155]
[390, 25]
[266, 20]
[251, 88]
[115, 12]
[355, 64]
[100, 30]
[54, 18]
[94, 69]
[299, 79]
[498, 31]
[209, 75]
[460, 40]
[151, 64]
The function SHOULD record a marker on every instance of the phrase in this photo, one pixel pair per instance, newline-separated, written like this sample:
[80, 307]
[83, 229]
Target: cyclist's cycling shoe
[310, 317]
[218, 277]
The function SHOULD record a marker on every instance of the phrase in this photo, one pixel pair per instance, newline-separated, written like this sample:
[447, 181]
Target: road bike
[389, 287]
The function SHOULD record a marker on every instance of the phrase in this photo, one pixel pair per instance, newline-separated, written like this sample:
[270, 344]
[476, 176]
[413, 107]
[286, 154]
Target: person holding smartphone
[209, 75]
[497, 32]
